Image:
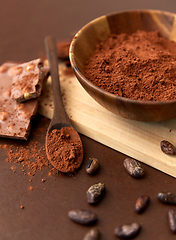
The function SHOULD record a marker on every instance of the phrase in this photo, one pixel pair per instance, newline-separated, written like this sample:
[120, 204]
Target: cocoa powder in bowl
[139, 66]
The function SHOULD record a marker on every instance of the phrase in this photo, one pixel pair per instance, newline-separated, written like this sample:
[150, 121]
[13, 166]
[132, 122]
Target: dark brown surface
[23, 26]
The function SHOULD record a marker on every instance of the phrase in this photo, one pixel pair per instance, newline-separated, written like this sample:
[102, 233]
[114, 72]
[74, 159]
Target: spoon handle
[59, 114]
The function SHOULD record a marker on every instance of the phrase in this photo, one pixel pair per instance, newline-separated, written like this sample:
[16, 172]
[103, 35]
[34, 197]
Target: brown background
[23, 26]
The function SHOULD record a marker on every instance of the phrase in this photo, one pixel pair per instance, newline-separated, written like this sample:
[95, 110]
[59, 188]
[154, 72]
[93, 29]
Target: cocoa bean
[167, 147]
[128, 231]
[93, 234]
[92, 166]
[142, 203]
[82, 216]
[95, 193]
[167, 197]
[133, 167]
[172, 220]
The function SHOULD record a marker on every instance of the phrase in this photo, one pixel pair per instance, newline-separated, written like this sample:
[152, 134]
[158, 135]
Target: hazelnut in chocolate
[27, 80]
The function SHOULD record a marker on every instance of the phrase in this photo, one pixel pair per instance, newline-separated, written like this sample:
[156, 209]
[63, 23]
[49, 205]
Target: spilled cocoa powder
[139, 66]
[64, 150]
[31, 156]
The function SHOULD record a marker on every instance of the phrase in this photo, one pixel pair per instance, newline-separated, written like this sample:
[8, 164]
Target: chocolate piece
[63, 50]
[27, 80]
[14, 117]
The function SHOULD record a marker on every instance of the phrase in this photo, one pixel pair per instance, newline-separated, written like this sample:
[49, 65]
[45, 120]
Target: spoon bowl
[63, 144]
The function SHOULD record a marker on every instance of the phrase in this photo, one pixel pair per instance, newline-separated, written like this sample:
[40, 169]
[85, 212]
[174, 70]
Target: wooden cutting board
[139, 140]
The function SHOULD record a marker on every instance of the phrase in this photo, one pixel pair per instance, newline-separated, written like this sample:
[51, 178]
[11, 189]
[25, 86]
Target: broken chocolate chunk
[14, 117]
[27, 80]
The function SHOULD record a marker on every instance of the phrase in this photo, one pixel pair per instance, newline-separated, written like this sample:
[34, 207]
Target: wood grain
[140, 140]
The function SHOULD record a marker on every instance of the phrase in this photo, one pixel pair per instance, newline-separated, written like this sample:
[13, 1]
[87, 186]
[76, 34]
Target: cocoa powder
[31, 156]
[64, 150]
[139, 66]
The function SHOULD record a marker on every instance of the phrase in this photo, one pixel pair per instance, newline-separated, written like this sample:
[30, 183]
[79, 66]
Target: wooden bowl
[98, 30]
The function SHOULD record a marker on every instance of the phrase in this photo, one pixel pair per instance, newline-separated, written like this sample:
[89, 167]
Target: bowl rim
[92, 85]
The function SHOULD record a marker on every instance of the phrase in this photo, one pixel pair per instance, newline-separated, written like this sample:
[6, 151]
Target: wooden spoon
[63, 144]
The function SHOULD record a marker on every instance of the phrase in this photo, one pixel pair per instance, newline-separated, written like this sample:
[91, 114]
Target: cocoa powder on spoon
[64, 149]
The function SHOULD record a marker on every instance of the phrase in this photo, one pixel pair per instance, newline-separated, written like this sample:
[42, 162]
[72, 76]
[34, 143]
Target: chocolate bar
[14, 117]
[27, 80]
